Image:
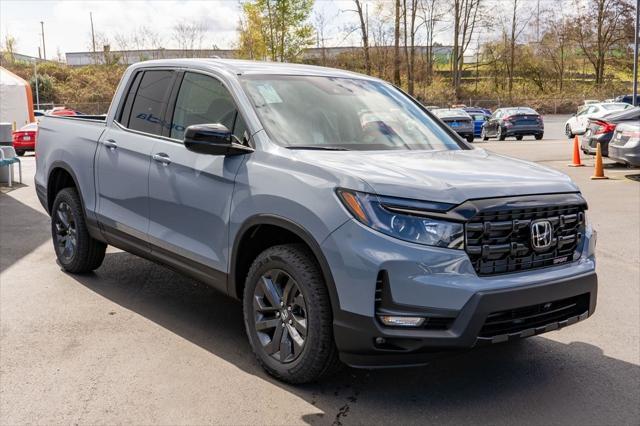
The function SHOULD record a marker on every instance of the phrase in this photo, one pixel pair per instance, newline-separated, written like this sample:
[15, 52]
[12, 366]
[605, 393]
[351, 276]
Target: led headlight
[408, 221]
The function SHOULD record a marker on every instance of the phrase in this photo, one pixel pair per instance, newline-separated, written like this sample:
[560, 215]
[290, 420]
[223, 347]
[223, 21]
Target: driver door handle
[161, 157]
[110, 143]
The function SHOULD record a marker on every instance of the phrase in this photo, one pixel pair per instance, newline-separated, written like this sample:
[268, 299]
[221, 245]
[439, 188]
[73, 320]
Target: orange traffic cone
[599, 171]
[576, 153]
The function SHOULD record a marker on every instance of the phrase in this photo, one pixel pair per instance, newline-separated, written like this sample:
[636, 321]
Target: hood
[444, 176]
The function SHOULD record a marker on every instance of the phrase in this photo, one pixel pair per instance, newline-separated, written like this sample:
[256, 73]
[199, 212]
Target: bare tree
[431, 15]
[364, 30]
[466, 16]
[600, 26]
[396, 46]
[189, 36]
[320, 21]
[517, 24]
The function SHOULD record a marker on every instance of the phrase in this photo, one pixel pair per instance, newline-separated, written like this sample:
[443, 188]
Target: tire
[501, 136]
[568, 132]
[539, 137]
[469, 139]
[483, 135]
[519, 137]
[76, 250]
[281, 314]
[20, 152]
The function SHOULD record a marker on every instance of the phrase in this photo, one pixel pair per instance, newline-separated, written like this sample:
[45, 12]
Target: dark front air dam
[356, 334]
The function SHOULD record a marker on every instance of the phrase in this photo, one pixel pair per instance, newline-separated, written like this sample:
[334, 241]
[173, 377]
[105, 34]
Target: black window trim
[176, 90]
[117, 116]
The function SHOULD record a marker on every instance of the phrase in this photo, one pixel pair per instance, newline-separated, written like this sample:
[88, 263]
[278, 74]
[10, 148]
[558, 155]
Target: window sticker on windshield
[269, 94]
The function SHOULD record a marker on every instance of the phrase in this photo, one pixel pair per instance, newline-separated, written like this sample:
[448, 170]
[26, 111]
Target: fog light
[393, 321]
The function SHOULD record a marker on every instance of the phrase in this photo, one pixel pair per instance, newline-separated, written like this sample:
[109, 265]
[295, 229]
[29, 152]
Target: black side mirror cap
[213, 139]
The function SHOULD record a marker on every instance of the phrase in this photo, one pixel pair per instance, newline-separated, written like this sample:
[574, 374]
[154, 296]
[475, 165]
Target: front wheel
[519, 137]
[501, 135]
[568, 132]
[483, 135]
[287, 315]
[539, 137]
[76, 250]
[469, 139]
[20, 152]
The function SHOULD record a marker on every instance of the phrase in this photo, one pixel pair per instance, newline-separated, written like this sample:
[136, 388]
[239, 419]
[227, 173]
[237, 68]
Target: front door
[190, 193]
[124, 155]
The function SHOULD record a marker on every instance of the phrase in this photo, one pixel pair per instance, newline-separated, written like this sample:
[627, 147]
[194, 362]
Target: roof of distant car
[450, 112]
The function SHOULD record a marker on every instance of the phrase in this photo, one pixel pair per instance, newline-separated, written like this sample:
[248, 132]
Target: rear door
[190, 193]
[124, 155]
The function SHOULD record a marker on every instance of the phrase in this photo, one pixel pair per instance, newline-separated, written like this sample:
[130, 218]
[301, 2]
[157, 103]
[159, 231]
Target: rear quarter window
[150, 102]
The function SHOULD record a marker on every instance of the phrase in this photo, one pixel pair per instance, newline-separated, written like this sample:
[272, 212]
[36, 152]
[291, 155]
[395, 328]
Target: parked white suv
[578, 123]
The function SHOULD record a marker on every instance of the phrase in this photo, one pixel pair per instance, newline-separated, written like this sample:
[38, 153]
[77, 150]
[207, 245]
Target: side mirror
[213, 139]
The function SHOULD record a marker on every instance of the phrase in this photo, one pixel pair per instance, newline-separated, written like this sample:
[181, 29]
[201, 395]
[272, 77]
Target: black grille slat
[527, 317]
[499, 241]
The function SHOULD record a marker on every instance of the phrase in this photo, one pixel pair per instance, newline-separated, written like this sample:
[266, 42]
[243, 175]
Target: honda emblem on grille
[541, 234]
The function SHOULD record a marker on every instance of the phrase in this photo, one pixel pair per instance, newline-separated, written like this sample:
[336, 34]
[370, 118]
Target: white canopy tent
[16, 102]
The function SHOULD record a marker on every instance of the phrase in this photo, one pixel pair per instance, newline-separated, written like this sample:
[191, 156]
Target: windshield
[616, 106]
[309, 112]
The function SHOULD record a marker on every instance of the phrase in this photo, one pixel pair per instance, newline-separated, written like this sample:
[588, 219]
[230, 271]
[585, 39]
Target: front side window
[150, 102]
[204, 100]
[313, 112]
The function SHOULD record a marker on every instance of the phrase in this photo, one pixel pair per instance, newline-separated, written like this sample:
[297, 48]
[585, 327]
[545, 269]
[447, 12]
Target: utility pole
[93, 36]
[35, 73]
[44, 49]
[635, 56]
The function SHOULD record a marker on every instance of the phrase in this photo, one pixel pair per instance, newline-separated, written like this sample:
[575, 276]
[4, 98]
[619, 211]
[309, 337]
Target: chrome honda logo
[541, 234]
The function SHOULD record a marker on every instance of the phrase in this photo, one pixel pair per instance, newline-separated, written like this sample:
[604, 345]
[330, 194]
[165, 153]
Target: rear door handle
[161, 157]
[110, 143]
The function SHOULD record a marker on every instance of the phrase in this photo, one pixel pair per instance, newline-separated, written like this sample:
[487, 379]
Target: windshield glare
[342, 113]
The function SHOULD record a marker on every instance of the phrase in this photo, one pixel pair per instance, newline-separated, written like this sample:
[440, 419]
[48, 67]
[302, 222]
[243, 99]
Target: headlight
[408, 222]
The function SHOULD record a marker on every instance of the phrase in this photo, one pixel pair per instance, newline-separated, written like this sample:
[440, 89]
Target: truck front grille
[534, 316]
[499, 241]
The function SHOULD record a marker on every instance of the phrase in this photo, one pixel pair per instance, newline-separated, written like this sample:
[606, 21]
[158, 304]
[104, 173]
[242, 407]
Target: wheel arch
[61, 176]
[243, 250]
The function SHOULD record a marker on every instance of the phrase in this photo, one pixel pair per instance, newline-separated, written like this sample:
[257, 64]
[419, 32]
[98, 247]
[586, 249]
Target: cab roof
[244, 67]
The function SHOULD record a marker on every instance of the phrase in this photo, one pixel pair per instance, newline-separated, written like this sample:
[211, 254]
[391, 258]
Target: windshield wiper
[318, 147]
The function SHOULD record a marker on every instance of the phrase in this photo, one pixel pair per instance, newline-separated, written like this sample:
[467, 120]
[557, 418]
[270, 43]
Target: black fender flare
[294, 228]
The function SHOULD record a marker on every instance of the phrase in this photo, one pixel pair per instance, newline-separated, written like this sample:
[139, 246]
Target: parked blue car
[479, 115]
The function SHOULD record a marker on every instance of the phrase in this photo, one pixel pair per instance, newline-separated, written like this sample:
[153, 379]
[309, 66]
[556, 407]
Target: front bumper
[442, 284]
[358, 337]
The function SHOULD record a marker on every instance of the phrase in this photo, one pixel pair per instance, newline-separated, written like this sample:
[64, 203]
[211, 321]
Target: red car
[63, 111]
[25, 139]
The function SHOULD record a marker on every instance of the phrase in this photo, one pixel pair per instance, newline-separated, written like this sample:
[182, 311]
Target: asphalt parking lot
[137, 343]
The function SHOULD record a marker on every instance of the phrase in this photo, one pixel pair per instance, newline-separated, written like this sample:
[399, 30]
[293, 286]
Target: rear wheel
[76, 250]
[469, 139]
[20, 152]
[483, 135]
[539, 137]
[519, 137]
[287, 315]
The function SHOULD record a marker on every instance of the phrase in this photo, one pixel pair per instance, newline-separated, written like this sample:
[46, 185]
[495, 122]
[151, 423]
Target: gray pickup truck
[353, 225]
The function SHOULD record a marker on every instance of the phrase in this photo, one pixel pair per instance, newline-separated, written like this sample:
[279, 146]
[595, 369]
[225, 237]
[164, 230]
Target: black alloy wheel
[66, 234]
[280, 312]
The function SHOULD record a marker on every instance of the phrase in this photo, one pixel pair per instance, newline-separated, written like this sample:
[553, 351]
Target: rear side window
[204, 100]
[150, 102]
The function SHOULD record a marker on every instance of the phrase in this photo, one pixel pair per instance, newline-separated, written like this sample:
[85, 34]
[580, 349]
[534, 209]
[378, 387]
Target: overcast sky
[67, 27]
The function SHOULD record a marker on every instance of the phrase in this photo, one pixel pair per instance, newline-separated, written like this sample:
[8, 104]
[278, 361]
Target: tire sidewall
[313, 339]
